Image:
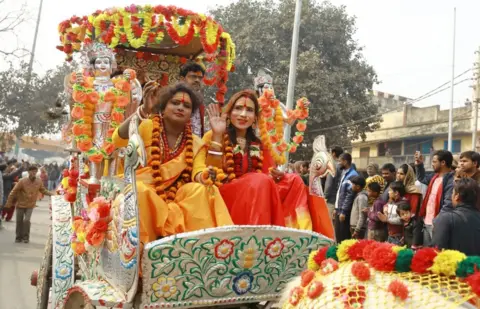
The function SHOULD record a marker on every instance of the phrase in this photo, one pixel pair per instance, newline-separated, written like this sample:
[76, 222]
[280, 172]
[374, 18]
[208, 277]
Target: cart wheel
[44, 280]
[76, 300]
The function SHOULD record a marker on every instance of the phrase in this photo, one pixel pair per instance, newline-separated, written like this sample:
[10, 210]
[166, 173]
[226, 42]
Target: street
[18, 260]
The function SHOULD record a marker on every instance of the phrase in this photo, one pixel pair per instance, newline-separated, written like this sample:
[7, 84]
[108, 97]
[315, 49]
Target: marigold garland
[86, 97]
[234, 158]
[271, 125]
[161, 153]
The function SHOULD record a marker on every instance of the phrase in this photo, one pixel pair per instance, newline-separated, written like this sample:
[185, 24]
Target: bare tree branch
[9, 24]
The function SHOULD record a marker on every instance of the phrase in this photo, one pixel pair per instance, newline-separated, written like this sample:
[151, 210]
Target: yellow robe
[192, 208]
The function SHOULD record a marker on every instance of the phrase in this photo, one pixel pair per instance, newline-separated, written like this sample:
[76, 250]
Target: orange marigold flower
[108, 148]
[79, 96]
[122, 101]
[77, 129]
[298, 139]
[123, 85]
[84, 145]
[301, 126]
[109, 97]
[93, 97]
[96, 158]
[117, 116]
[77, 112]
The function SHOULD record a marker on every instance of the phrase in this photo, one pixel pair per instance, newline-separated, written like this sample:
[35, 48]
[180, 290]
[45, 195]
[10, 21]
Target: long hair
[250, 135]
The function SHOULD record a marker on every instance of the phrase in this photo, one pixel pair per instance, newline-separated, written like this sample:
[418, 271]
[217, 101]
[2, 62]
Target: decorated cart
[93, 258]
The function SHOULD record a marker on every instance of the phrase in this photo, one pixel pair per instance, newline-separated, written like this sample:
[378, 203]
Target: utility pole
[292, 75]
[476, 99]
[30, 68]
[450, 114]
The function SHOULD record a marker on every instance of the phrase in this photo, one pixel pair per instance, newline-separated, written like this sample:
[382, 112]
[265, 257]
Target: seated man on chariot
[256, 192]
[172, 197]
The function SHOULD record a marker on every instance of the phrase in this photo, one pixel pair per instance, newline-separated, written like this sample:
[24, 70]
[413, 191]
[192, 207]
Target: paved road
[17, 261]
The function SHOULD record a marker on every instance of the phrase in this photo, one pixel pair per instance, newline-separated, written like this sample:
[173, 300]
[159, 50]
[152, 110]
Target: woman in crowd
[256, 192]
[172, 196]
[406, 175]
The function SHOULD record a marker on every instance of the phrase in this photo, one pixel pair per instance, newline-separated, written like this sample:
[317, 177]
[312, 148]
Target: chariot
[225, 267]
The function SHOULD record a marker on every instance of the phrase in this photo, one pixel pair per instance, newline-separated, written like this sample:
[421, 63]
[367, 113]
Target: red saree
[255, 199]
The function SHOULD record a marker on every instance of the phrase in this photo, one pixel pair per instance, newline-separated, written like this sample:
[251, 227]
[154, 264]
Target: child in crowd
[390, 216]
[412, 226]
[358, 215]
[376, 228]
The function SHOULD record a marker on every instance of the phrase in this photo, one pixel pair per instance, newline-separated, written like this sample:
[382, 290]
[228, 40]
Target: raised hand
[218, 120]
[150, 96]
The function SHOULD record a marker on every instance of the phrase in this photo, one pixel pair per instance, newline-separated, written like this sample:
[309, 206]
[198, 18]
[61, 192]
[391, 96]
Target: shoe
[18, 240]
[26, 241]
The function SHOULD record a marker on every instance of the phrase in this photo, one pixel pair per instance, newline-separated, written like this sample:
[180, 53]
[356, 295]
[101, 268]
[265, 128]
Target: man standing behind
[192, 73]
[389, 174]
[439, 192]
[345, 198]
[460, 228]
[331, 183]
[469, 164]
[25, 193]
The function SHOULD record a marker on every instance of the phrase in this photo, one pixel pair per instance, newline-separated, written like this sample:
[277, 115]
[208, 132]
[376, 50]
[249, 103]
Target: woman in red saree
[256, 192]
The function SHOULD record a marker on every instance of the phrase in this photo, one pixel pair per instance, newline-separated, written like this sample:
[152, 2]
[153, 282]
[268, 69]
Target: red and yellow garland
[138, 26]
[271, 125]
[85, 98]
[234, 158]
[160, 153]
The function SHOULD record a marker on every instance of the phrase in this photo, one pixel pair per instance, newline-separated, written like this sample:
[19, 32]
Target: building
[409, 129]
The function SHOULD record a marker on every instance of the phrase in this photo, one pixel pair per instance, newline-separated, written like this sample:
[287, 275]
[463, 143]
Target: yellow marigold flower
[397, 249]
[311, 263]
[446, 262]
[343, 248]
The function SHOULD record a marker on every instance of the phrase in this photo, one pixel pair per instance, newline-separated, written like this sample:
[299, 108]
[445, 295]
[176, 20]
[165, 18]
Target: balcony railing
[362, 163]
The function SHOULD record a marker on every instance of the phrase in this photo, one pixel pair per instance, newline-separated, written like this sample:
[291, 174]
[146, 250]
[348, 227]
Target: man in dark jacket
[459, 229]
[331, 183]
[388, 173]
[438, 197]
[345, 198]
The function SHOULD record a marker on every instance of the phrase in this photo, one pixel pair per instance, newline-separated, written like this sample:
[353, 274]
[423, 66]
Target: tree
[23, 109]
[10, 20]
[331, 70]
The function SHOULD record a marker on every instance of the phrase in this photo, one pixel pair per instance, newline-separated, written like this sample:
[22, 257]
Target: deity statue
[111, 99]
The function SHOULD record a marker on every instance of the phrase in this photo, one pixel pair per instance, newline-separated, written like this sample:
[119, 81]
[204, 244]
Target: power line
[422, 97]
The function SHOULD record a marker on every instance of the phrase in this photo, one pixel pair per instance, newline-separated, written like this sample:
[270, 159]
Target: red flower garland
[383, 258]
[182, 40]
[423, 260]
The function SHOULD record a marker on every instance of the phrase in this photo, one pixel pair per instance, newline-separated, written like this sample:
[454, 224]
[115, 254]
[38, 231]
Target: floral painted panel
[62, 254]
[225, 265]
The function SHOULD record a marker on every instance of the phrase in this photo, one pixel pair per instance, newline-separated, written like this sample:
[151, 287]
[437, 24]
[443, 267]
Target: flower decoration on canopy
[136, 26]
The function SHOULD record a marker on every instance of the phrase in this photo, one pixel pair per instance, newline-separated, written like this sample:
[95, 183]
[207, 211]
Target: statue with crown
[100, 100]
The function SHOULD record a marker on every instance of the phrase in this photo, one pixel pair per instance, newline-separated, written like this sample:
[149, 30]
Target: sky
[409, 43]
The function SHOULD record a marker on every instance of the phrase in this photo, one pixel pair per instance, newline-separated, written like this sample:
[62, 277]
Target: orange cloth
[256, 199]
[192, 209]
[321, 221]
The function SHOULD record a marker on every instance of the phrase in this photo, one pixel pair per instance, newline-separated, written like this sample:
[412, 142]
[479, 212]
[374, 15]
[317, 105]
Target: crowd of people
[407, 206]
[21, 185]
